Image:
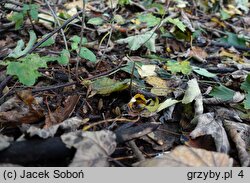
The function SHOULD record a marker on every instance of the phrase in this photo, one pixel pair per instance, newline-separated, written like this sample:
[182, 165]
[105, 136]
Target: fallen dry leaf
[69, 125]
[160, 86]
[93, 148]
[188, 156]
[23, 108]
[208, 125]
[240, 134]
[62, 113]
[198, 53]
[5, 141]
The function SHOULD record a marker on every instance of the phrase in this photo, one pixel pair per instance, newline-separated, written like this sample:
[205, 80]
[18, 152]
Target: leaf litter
[155, 77]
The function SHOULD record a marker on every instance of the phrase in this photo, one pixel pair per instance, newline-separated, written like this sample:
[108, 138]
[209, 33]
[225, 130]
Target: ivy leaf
[34, 11]
[135, 42]
[203, 72]
[149, 19]
[48, 42]
[177, 23]
[246, 86]
[183, 67]
[95, 21]
[234, 40]
[18, 18]
[76, 40]
[27, 69]
[222, 93]
[64, 57]
[87, 54]
[246, 102]
[18, 52]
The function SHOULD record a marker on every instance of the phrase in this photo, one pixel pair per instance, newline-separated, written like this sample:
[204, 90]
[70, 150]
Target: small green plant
[30, 10]
[183, 67]
[83, 52]
[246, 87]
[124, 2]
[26, 68]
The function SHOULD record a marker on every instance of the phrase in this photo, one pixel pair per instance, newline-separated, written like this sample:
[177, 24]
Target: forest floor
[124, 83]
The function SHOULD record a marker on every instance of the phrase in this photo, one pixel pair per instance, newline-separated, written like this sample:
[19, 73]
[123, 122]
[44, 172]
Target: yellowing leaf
[183, 67]
[106, 86]
[140, 105]
[147, 70]
[160, 87]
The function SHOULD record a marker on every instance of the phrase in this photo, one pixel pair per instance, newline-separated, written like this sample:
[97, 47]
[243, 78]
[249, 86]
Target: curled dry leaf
[193, 92]
[188, 156]
[160, 86]
[68, 125]
[240, 134]
[5, 141]
[93, 148]
[237, 97]
[208, 125]
[198, 53]
[62, 113]
[23, 108]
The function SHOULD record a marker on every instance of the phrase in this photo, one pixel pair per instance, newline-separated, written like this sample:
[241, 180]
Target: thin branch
[52, 33]
[58, 23]
[80, 44]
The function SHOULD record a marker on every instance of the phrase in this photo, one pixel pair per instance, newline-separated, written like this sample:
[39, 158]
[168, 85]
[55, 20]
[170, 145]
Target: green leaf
[34, 11]
[123, 2]
[106, 86]
[76, 40]
[234, 40]
[246, 102]
[222, 93]
[135, 42]
[177, 23]
[149, 19]
[95, 21]
[18, 52]
[192, 92]
[87, 54]
[48, 42]
[160, 8]
[203, 72]
[128, 68]
[246, 84]
[224, 15]
[27, 69]
[64, 57]
[183, 67]
[18, 18]
[167, 103]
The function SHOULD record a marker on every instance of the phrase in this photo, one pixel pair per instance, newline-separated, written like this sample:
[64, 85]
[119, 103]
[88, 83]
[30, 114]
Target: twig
[58, 23]
[80, 44]
[52, 33]
[110, 32]
[136, 150]
[4, 83]
[110, 120]
[53, 87]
